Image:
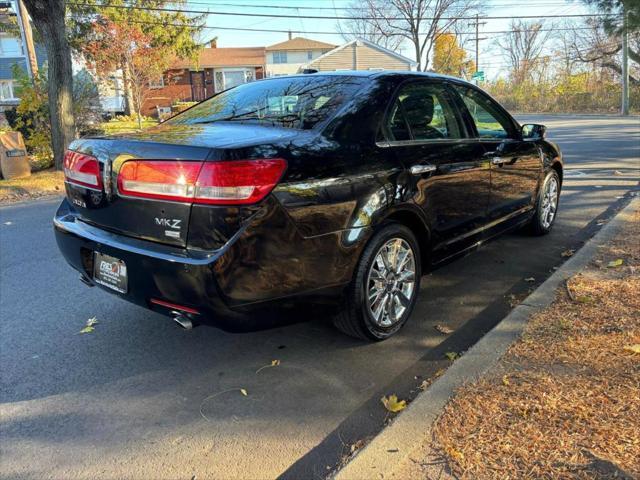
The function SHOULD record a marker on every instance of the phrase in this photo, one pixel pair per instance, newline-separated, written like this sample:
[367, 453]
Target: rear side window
[292, 102]
[489, 120]
[422, 111]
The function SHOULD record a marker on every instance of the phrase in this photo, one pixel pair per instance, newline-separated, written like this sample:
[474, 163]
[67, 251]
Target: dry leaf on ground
[392, 404]
[444, 329]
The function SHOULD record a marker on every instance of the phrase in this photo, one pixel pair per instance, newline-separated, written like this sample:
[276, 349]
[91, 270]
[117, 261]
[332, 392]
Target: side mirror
[533, 131]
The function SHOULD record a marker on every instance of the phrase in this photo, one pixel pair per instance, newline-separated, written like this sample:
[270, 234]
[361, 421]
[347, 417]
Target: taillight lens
[159, 179]
[216, 183]
[83, 170]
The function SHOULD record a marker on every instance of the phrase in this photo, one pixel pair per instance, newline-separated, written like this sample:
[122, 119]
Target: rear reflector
[216, 183]
[83, 170]
[174, 306]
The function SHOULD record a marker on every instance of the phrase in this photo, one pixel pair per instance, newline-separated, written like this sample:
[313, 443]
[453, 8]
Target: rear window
[293, 102]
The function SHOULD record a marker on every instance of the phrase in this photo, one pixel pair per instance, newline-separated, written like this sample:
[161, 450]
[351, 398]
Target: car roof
[381, 73]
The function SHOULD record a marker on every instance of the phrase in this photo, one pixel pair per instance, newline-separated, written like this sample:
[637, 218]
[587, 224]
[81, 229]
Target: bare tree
[361, 27]
[523, 47]
[417, 21]
[596, 46]
[49, 19]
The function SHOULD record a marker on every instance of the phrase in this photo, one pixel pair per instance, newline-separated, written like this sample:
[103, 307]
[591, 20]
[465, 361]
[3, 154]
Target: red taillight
[159, 179]
[81, 169]
[217, 183]
[238, 182]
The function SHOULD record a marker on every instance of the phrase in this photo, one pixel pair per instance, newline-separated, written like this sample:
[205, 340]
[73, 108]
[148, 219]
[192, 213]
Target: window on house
[10, 47]
[279, 57]
[309, 55]
[6, 90]
[157, 82]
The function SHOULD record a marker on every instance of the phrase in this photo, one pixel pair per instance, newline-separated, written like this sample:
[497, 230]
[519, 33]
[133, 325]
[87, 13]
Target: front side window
[489, 120]
[290, 102]
[279, 57]
[422, 111]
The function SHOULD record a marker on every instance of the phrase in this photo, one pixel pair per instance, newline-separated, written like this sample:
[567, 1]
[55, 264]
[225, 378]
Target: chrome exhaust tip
[183, 321]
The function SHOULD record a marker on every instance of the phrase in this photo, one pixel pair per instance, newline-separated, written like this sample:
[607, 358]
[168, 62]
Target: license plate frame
[110, 272]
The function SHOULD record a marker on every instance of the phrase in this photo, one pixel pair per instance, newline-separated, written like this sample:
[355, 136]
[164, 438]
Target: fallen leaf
[567, 253]
[392, 403]
[618, 173]
[424, 385]
[92, 321]
[530, 279]
[456, 455]
[87, 329]
[633, 348]
[444, 329]
[505, 380]
[451, 355]
[585, 299]
[274, 363]
[243, 392]
[615, 263]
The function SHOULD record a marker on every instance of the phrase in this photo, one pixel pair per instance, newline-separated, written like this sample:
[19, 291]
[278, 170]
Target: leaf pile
[564, 402]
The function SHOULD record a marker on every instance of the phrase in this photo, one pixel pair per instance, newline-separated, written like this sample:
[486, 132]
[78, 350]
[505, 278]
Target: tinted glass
[489, 120]
[422, 112]
[293, 102]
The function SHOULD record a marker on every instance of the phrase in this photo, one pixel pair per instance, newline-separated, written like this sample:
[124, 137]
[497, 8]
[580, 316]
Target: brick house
[216, 69]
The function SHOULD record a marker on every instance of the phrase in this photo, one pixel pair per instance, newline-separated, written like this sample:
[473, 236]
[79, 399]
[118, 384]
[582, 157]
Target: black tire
[356, 319]
[538, 225]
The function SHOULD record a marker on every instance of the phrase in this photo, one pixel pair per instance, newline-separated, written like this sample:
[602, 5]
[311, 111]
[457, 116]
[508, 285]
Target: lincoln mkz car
[335, 188]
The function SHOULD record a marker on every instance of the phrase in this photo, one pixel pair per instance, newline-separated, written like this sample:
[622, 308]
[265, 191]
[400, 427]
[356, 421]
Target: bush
[31, 116]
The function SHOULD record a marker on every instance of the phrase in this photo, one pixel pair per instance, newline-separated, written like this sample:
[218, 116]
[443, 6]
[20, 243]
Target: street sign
[479, 75]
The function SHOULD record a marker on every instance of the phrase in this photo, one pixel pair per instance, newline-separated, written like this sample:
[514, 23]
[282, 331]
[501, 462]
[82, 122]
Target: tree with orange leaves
[112, 46]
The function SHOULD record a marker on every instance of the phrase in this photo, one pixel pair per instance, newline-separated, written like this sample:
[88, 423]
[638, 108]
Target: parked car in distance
[340, 188]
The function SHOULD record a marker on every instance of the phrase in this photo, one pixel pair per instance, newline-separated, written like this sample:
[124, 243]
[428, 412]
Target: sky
[491, 60]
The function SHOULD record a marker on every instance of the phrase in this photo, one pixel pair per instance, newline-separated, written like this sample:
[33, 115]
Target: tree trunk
[49, 19]
[129, 107]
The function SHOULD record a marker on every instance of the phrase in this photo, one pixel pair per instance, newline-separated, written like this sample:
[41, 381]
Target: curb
[383, 455]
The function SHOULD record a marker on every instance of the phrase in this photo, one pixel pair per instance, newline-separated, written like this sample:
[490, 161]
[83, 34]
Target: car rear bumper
[155, 271]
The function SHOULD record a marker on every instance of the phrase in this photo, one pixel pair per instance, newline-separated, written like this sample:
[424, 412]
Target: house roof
[413, 63]
[225, 57]
[300, 43]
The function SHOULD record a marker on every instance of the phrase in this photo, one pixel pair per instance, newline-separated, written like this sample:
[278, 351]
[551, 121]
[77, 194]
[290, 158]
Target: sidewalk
[562, 402]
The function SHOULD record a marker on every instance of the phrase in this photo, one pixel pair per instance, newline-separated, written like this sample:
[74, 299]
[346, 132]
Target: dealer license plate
[110, 272]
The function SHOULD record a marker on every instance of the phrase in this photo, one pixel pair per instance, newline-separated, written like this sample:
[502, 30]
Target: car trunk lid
[143, 184]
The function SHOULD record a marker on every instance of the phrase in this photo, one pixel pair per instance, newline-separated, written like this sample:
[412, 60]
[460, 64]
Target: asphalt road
[140, 397]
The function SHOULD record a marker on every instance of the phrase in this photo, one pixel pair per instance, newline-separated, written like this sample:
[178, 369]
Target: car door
[516, 164]
[448, 176]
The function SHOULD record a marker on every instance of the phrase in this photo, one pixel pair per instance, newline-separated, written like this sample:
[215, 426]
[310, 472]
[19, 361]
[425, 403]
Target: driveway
[140, 397]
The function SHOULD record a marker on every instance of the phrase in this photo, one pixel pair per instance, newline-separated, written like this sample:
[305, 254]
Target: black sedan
[339, 188]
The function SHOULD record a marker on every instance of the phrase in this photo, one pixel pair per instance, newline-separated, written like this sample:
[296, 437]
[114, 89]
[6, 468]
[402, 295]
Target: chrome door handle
[419, 169]
[499, 160]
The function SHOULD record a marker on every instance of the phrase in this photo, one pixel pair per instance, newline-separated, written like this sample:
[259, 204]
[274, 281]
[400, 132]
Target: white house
[360, 54]
[286, 58]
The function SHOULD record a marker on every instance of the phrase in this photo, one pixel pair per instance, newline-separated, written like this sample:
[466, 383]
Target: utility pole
[625, 63]
[477, 39]
[27, 38]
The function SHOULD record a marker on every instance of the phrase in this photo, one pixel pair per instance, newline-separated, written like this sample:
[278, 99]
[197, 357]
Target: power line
[303, 7]
[328, 17]
[270, 30]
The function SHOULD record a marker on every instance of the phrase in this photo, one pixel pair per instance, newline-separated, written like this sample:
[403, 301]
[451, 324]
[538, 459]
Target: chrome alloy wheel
[549, 202]
[391, 282]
